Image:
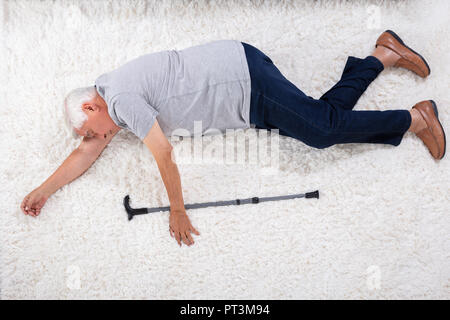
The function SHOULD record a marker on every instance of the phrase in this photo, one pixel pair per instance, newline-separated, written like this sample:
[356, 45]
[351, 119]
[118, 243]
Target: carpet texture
[379, 230]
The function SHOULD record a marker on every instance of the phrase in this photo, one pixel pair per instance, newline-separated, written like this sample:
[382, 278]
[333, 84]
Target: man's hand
[34, 201]
[181, 227]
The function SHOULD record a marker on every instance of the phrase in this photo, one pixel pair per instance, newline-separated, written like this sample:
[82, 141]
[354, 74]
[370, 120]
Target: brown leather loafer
[409, 59]
[433, 136]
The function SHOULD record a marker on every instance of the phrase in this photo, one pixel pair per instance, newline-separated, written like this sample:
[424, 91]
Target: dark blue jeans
[276, 103]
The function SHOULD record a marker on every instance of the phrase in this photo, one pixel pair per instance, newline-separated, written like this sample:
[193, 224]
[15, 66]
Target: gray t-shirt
[208, 83]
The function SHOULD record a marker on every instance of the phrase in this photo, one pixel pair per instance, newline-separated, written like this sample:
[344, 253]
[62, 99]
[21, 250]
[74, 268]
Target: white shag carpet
[379, 230]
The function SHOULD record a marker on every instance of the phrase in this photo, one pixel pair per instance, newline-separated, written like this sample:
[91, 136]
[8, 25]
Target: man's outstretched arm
[73, 166]
[160, 147]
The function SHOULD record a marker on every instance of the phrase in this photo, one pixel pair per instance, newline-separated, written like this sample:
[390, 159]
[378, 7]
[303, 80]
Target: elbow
[165, 156]
[167, 151]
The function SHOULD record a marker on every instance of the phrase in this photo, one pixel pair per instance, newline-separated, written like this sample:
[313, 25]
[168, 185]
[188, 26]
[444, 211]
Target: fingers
[178, 237]
[192, 229]
[182, 236]
[185, 239]
[33, 210]
[189, 237]
[175, 234]
[30, 209]
[23, 206]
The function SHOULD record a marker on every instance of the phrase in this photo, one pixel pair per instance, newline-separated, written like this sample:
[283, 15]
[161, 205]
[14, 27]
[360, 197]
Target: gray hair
[73, 114]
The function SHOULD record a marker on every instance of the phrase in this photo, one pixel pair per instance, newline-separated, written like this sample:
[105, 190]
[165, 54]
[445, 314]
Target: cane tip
[314, 194]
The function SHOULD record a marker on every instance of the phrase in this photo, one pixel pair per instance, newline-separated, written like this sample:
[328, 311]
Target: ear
[88, 106]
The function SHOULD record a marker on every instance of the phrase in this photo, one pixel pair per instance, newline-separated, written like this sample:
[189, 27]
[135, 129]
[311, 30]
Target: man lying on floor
[227, 84]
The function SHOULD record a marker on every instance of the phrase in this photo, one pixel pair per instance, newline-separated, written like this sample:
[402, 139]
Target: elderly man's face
[99, 123]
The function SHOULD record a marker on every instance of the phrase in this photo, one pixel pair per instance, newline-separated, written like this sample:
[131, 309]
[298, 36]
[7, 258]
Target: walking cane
[133, 212]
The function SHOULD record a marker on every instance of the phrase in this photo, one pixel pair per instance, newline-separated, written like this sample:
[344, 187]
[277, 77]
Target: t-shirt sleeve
[135, 113]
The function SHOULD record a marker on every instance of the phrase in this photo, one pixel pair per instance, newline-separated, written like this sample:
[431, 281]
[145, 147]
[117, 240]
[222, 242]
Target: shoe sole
[437, 116]
[392, 33]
